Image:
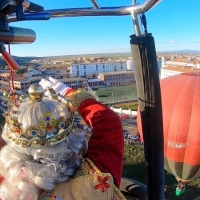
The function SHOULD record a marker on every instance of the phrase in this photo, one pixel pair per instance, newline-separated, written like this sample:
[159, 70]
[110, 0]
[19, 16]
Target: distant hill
[113, 55]
[183, 51]
[106, 55]
[18, 58]
[117, 55]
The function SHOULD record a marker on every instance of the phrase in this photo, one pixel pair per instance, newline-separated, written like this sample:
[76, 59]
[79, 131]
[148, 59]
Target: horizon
[172, 28]
[183, 51]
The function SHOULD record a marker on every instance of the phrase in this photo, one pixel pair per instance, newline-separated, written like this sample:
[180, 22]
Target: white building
[95, 82]
[34, 71]
[91, 69]
[130, 65]
[174, 67]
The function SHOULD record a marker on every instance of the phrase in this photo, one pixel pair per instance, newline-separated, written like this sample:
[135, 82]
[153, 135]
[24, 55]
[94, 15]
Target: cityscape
[93, 71]
[115, 118]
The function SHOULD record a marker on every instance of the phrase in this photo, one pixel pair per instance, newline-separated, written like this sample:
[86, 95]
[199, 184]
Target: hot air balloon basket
[180, 191]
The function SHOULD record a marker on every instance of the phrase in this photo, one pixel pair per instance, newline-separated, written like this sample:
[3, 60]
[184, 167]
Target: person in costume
[47, 157]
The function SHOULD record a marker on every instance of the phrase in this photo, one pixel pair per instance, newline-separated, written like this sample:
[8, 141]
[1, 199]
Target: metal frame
[96, 10]
[36, 12]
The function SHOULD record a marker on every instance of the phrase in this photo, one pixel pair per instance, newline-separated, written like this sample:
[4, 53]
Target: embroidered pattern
[55, 197]
[103, 185]
[45, 194]
[87, 168]
[78, 96]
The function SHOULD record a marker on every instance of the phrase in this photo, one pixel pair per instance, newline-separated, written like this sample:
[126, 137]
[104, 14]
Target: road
[130, 125]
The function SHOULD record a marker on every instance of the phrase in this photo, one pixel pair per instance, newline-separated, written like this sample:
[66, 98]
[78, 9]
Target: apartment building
[92, 69]
[21, 84]
[63, 72]
[178, 66]
[75, 82]
[118, 78]
[4, 74]
[95, 82]
[4, 86]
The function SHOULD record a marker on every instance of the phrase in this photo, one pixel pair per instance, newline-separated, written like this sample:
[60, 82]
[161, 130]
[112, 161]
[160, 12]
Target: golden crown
[38, 121]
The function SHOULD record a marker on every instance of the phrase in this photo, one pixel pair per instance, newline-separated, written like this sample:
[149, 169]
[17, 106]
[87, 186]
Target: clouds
[177, 42]
[171, 42]
[194, 42]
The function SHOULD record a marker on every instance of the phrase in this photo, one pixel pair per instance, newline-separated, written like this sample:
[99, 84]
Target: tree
[22, 71]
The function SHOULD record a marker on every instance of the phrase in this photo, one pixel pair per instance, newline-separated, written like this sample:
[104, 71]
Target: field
[135, 168]
[116, 94]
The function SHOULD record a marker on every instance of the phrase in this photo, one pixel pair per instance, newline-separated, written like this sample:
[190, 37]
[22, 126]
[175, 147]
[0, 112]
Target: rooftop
[94, 80]
[22, 80]
[103, 62]
[72, 79]
[195, 61]
[181, 69]
[116, 73]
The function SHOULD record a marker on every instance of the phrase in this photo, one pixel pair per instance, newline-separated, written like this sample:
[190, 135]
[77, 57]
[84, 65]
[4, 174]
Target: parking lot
[130, 125]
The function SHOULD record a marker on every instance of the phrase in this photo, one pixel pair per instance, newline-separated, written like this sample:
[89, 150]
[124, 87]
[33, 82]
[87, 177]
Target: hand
[58, 86]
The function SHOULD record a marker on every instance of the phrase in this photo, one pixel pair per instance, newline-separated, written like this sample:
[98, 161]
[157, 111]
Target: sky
[174, 25]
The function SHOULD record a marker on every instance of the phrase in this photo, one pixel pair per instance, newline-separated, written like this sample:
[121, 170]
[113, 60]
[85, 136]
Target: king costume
[99, 170]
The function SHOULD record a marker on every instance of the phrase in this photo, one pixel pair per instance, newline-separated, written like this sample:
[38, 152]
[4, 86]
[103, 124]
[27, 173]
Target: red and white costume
[104, 158]
[99, 175]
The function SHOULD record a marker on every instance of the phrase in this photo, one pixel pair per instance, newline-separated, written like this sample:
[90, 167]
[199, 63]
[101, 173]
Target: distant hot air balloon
[181, 125]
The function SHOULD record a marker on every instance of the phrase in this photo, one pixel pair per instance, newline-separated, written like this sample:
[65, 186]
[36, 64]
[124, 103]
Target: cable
[12, 77]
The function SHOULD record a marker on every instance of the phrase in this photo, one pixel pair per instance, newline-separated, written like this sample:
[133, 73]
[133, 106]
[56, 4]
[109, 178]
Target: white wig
[26, 170]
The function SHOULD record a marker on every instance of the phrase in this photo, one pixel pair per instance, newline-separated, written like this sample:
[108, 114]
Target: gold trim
[93, 165]
[118, 193]
[78, 96]
[47, 132]
[42, 142]
[116, 190]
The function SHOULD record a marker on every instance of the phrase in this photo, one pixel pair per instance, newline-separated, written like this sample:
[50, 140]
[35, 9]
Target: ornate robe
[100, 174]
[88, 183]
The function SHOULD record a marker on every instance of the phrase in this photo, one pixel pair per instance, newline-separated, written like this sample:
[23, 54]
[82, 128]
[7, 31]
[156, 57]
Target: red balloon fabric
[180, 96]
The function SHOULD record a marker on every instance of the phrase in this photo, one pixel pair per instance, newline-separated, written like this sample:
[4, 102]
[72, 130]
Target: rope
[12, 77]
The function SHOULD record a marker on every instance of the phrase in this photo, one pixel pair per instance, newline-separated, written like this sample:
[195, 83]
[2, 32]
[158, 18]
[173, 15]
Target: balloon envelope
[180, 96]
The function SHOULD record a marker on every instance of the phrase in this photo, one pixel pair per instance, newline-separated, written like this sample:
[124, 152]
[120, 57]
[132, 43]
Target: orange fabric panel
[181, 113]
